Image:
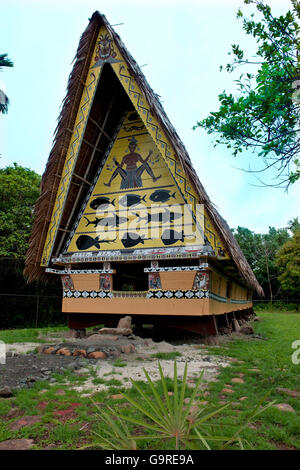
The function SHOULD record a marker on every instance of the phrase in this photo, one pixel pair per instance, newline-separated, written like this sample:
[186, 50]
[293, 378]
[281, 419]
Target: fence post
[37, 310]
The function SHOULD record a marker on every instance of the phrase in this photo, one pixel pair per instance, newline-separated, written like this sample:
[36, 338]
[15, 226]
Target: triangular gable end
[106, 51]
[134, 201]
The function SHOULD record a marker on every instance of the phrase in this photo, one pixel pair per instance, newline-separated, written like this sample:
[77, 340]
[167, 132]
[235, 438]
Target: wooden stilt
[216, 326]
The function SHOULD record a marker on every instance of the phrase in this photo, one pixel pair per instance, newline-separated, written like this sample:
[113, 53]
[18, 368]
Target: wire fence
[30, 310]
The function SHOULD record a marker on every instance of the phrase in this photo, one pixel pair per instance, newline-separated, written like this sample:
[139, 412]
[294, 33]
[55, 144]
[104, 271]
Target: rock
[72, 334]
[52, 380]
[24, 421]
[48, 350]
[287, 391]
[80, 352]
[236, 326]
[83, 362]
[227, 390]
[72, 366]
[117, 396]
[30, 379]
[41, 348]
[211, 340]
[247, 330]
[82, 371]
[127, 348]
[64, 352]
[97, 355]
[237, 380]
[17, 444]
[6, 392]
[12, 412]
[114, 354]
[125, 322]
[116, 331]
[284, 407]
[60, 392]
[225, 330]
[170, 394]
[243, 398]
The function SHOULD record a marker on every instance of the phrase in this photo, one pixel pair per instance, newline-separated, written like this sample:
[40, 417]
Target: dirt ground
[24, 365]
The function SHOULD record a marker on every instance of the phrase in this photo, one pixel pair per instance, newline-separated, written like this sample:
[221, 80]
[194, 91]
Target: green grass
[272, 357]
[119, 363]
[28, 335]
[273, 429]
[166, 355]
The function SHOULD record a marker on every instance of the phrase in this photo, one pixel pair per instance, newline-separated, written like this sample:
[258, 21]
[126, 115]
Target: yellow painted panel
[135, 194]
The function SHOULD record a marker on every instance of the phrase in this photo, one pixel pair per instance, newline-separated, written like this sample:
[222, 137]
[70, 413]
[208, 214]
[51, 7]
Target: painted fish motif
[84, 242]
[132, 239]
[101, 203]
[161, 195]
[95, 221]
[162, 217]
[131, 200]
[113, 221]
[169, 237]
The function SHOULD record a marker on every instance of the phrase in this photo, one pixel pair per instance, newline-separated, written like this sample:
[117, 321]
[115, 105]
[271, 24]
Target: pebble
[6, 392]
[227, 390]
[237, 380]
[16, 444]
[284, 407]
[117, 396]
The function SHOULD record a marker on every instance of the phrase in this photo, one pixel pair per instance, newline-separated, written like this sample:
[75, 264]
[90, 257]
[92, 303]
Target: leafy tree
[288, 262]
[294, 224]
[260, 251]
[265, 115]
[4, 101]
[28, 305]
[19, 190]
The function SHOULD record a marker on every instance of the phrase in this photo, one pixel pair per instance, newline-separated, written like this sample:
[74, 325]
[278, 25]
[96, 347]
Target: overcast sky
[182, 43]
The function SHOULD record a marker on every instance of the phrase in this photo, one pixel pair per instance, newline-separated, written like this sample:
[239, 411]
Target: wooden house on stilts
[122, 217]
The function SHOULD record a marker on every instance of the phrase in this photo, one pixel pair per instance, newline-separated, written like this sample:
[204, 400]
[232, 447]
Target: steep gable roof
[51, 176]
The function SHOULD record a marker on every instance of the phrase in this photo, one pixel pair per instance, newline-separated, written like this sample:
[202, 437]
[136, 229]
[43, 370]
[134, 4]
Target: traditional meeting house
[122, 217]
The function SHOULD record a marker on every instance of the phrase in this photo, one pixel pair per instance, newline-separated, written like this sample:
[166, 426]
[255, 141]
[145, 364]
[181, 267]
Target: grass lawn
[28, 335]
[67, 420]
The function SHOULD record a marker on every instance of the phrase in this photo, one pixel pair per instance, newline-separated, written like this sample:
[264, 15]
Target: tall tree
[4, 101]
[288, 262]
[260, 251]
[19, 190]
[265, 114]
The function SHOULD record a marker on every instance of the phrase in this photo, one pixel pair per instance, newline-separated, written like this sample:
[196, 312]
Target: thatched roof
[50, 179]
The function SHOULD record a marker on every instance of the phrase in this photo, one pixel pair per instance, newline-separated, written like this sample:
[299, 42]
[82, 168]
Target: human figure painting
[131, 175]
